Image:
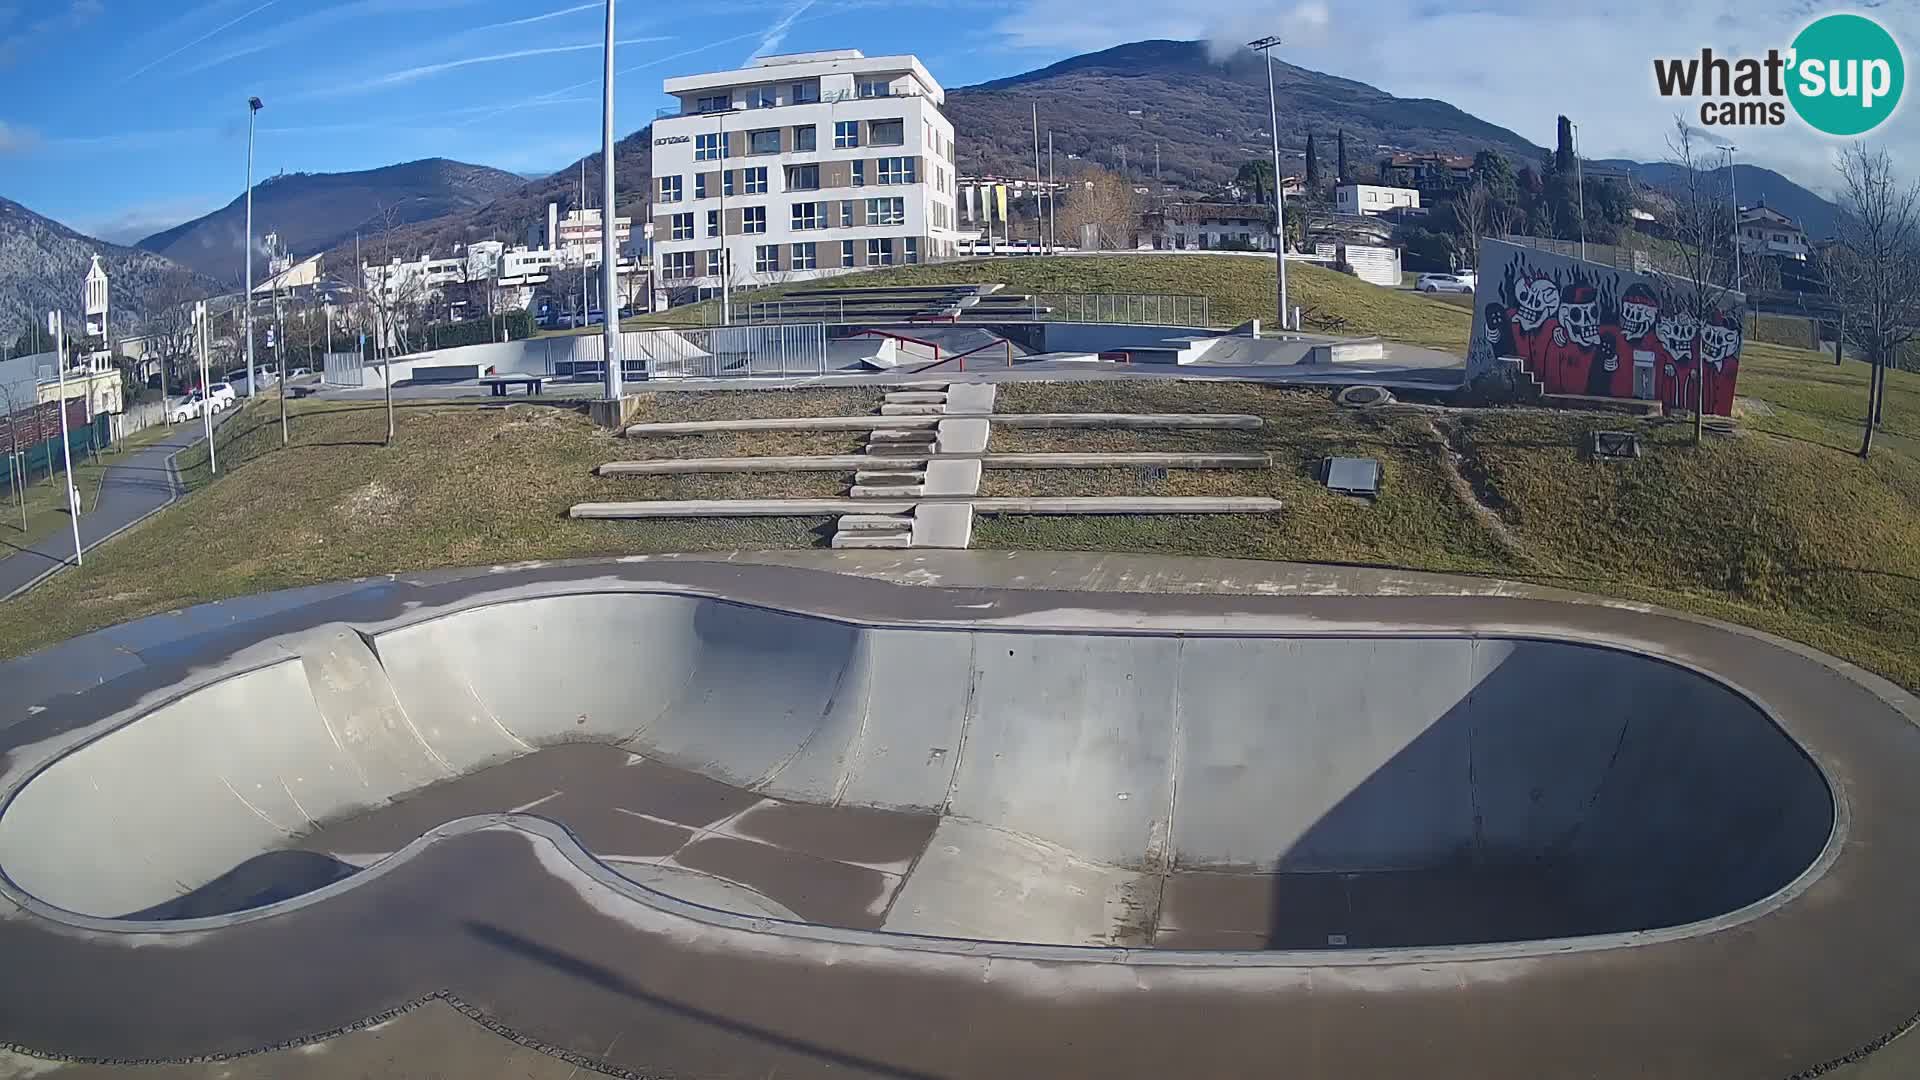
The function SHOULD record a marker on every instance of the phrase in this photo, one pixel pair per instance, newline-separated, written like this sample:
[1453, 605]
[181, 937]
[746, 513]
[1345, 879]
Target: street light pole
[57, 326]
[726, 262]
[246, 302]
[1579, 187]
[609, 264]
[1267, 45]
[1734, 191]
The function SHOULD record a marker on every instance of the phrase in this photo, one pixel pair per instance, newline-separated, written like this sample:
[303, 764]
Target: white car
[187, 408]
[222, 395]
[1438, 283]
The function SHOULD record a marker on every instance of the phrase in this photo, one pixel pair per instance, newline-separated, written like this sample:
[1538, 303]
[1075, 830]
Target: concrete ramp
[1111, 788]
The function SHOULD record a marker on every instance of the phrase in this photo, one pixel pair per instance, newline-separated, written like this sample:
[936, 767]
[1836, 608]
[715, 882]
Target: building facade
[1765, 231]
[1373, 198]
[799, 166]
[1210, 227]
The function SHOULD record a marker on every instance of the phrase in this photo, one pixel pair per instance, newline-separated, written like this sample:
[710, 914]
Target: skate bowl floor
[1493, 793]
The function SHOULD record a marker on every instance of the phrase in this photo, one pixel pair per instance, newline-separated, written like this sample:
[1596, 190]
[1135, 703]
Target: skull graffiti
[1638, 310]
[1495, 325]
[1719, 341]
[1580, 314]
[1539, 298]
[1676, 334]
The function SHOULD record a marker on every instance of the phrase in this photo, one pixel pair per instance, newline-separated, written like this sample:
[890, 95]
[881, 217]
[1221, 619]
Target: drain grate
[1353, 476]
[1616, 445]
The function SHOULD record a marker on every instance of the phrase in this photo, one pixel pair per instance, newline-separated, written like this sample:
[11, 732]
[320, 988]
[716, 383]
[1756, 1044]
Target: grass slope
[1239, 288]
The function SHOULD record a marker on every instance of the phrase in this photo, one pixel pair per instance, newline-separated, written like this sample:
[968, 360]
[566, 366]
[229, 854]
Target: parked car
[1438, 283]
[187, 408]
[222, 396]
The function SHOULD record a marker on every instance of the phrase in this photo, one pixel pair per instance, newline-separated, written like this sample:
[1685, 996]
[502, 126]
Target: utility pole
[1579, 187]
[280, 356]
[1053, 206]
[204, 344]
[57, 326]
[246, 301]
[609, 262]
[1733, 190]
[583, 254]
[1039, 213]
[1267, 45]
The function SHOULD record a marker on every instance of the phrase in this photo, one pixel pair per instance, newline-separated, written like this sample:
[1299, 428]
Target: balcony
[826, 97]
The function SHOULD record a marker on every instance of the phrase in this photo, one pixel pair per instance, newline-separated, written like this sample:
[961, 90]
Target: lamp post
[246, 302]
[1733, 191]
[726, 261]
[1267, 45]
[1579, 187]
[56, 325]
[609, 266]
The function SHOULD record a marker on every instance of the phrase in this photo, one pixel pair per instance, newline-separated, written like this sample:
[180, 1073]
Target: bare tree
[168, 325]
[1104, 200]
[388, 297]
[1470, 211]
[1500, 219]
[1875, 267]
[1701, 226]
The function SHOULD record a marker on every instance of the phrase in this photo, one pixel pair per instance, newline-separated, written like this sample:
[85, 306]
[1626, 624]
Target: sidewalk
[131, 490]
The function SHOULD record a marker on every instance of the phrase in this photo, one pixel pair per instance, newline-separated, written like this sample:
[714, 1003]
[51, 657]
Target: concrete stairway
[900, 466]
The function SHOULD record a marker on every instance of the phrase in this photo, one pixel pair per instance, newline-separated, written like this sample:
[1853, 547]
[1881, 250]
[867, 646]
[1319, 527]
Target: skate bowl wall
[1653, 795]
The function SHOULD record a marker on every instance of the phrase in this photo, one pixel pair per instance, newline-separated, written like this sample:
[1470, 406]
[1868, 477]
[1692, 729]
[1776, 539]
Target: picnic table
[499, 385]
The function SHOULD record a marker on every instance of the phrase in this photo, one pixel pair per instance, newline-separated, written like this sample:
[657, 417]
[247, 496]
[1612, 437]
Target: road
[131, 490]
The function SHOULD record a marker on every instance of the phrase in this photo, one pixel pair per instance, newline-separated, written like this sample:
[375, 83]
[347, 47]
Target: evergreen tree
[1313, 165]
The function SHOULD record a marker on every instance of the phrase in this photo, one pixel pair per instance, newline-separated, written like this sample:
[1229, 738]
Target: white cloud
[141, 220]
[17, 140]
[1514, 63]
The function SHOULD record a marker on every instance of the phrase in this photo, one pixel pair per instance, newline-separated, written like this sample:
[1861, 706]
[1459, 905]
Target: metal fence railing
[1158, 309]
[343, 369]
[786, 349]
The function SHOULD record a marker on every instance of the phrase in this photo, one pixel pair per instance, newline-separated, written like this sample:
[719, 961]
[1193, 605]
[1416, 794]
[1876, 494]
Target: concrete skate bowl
[1084, 789]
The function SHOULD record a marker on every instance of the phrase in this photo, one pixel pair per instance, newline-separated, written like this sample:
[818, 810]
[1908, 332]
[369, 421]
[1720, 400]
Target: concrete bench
[499, 385]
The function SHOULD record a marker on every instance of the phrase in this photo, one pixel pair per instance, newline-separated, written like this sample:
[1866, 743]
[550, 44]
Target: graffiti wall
[1584, 328]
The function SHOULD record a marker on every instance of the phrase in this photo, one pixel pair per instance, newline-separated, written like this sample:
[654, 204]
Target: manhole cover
[1353, 476]
[1616, 445]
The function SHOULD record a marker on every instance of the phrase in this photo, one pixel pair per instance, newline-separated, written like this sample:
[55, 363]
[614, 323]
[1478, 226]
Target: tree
[1340, 166]
[168, 324]
[1563, 146]
[1105, 201]
[1701, 226]
[1470, 211]
[1313, 165]
[1495, 172]
[1256, 179]
[1875, 267]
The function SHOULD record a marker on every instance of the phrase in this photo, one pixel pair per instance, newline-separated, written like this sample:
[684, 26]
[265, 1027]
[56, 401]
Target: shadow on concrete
[261, 880]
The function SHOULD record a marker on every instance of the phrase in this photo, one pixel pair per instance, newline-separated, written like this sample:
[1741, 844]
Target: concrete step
[888, 477]
[891, 464]
[873, 540]
[923, 385]
[888, 491]
[902, 438]
[706, 508]
[913, 452]
[875, 523]
[917, 397]
[891, 409]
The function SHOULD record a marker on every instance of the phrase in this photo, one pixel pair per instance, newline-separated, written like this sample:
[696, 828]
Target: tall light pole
[203, 345]
[57, 326]
[1734, 191]
[609, 266]
[246, 302]
[1579, 187]
[1267, 45]
[726, 260]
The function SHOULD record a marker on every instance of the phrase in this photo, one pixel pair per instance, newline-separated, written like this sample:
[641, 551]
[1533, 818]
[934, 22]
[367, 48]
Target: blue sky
[121, 117]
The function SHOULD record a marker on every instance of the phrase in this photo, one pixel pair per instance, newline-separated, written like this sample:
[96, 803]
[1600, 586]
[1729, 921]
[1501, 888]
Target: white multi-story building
[1765, 231]
[801, 165]
[1373, 198]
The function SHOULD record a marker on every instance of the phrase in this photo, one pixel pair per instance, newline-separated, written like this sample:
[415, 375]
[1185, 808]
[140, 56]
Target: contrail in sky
[542, 18]
[151, 64]
[424, 70]
[778, 32]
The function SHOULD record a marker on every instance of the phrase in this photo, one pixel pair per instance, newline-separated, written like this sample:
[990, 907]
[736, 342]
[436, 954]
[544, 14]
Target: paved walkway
[133, 489]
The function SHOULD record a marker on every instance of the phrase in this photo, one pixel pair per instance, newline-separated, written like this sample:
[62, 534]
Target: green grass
[1237, 288]
[46, 499]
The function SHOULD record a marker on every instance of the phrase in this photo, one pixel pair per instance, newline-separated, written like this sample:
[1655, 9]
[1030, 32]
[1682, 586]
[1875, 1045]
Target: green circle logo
[1847, 74]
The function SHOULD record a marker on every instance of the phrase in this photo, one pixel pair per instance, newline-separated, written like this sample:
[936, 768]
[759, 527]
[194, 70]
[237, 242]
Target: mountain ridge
[43, 265]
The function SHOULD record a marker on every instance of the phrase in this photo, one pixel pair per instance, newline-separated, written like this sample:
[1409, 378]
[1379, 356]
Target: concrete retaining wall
[1655, 794]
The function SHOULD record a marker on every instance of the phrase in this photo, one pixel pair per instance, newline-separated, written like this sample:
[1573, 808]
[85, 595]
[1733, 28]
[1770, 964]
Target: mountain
[43, 264]
[1819, 216]
[315, 211]
[1205, 117]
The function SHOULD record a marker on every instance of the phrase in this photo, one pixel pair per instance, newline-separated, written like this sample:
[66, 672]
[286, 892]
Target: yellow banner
[1000, 198]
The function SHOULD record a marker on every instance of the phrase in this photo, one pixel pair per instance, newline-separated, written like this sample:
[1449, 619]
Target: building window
[762, 97]
[875, 89]
[681, 227]
[679, 264]
[670, 189]
[803, 257]
[803, 138]
[726, 181]
[803, 178]
[886, 211]
[753, 219]
[809, 215]
[713, 223]
[756, 180]
[707, 147]
[846, 253]
[896, 170]
[913, 248]
[880, 251]
[846, 214]
[804, 93]
[859, 172]
[886, 133]
[714, 104]
[700, 185]
[764, 142]
[846, 134]
[766, 258]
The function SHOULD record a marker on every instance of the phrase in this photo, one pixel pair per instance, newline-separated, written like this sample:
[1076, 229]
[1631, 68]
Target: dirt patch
[371, 503]
[1470, 481]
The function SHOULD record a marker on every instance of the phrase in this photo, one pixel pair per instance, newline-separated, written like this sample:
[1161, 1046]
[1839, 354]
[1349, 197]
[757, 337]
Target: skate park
[1369, 822]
